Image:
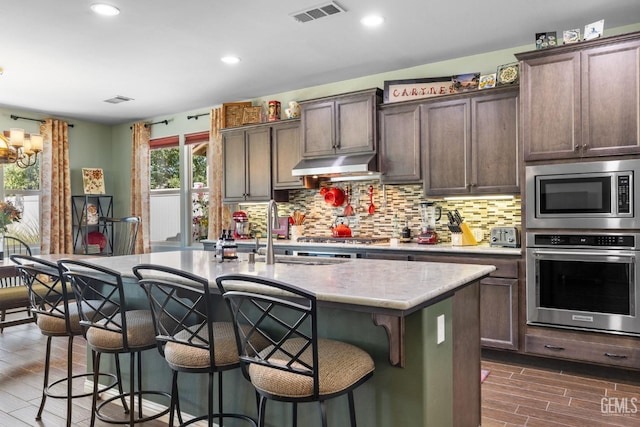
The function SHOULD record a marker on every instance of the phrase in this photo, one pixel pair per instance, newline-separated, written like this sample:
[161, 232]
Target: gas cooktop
[348, 240]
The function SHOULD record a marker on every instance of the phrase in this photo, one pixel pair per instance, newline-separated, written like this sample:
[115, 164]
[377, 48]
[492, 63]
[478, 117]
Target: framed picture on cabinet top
[465, 82]
[251, 115]
[594, 30]
[233, 113]
[508, 74]
[571, 36]
[487, 81]
[546, 40]
[406, 90]
[93, 181]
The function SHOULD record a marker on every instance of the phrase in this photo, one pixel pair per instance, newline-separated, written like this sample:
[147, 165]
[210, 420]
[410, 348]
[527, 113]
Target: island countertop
[420, 321]
[376, 285]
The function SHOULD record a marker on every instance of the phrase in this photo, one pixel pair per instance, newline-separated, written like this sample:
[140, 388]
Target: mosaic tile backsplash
[391, 201]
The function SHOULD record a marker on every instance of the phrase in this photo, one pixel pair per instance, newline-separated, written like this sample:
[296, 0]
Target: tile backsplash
[389, 200]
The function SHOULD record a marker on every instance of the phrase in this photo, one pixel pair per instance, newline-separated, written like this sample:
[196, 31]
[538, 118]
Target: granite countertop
[482, 248]
[374, 284]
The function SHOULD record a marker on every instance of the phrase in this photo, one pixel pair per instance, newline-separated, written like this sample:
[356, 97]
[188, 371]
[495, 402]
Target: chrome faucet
[272, 222]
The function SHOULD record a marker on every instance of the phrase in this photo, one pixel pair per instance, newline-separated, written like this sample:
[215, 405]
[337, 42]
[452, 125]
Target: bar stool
[297, 366]
[55, 317]
[188, 337]
[110, 327]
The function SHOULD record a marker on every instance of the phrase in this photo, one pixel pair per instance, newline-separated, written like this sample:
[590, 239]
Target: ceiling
[60, 58]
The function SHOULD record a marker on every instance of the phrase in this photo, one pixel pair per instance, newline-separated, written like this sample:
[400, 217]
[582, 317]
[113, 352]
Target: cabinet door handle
[615, 356]
[576, 148]
[554, 347]
[585, 147]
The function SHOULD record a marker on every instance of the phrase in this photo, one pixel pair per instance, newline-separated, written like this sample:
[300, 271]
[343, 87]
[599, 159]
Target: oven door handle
[605, 255]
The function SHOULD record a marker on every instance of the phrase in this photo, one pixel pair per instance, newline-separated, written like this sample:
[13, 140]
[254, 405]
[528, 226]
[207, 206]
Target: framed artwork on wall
[93, 181]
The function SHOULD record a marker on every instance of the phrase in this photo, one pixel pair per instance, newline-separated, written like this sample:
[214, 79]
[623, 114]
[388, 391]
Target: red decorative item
[97, 238]
[335, 197]
[274, 111]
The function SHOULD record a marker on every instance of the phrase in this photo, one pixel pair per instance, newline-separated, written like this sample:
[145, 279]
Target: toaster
[505, 237]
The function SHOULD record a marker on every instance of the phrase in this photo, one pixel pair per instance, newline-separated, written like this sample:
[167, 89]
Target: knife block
[466, 236]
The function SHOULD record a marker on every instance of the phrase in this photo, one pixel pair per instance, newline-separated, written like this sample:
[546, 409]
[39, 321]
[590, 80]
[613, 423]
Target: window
[22, 188]
[167, 183]
[196, 151]
[165, 191]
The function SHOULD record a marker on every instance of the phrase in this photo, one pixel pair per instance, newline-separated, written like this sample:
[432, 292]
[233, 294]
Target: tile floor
[527, 393]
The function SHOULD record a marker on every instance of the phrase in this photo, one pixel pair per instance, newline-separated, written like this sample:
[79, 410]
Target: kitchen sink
[304, 260]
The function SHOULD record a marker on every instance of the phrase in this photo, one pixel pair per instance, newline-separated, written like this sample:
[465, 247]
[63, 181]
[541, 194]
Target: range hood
[357, 166]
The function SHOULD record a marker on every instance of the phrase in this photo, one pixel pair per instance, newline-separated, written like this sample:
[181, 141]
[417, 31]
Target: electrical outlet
[440, 338]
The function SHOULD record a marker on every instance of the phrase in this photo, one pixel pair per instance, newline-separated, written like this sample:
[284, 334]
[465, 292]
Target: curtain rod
[197, 115]
[14, 117]
[166, 122]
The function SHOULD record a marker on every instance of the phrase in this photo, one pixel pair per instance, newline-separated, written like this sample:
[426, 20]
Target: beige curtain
[140, 184]
[219, 217]
[55, 224]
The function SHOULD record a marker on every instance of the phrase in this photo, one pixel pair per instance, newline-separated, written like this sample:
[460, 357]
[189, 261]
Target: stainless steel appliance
[600, 195]
[505, 237]
[584, 281]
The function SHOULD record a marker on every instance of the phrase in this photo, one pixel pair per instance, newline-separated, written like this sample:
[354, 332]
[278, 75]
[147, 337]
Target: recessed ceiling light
[230, 59]
[105, 9]
[372, 20]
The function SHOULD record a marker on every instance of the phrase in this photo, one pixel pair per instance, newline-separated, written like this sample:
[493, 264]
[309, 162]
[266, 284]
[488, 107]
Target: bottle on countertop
[406, 233]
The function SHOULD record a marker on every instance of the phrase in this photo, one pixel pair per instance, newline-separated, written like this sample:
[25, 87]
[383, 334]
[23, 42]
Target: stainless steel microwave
[594, 195]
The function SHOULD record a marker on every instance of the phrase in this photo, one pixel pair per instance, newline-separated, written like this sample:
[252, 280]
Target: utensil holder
[295, 232]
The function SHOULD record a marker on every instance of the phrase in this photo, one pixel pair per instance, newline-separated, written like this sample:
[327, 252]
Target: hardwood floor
[558, 395]
[516, 393]
[22, 351]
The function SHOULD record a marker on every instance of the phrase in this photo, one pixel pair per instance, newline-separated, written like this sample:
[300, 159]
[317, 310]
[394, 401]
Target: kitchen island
[427, 352]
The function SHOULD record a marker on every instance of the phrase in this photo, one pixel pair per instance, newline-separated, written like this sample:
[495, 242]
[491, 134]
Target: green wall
[109, 147]
[89, 145]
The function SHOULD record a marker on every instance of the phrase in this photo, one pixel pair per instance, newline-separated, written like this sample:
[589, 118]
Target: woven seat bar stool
[110, 327]
[56, 316]
[188, 337]
[297, 366]
[14, 246]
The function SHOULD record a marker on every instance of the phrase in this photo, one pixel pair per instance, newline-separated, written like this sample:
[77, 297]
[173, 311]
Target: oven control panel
[588, 240]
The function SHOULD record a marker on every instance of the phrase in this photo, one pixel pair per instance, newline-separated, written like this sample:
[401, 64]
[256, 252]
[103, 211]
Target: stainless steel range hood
[354, 167]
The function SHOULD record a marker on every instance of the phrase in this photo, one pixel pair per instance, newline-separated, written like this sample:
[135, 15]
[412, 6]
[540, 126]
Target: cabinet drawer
[504, 267]
[583, 351]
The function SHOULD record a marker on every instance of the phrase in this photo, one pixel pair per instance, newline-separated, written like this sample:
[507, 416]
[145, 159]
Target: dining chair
[122, 234]
[187, 335]
[109, 326]
[297, 366]
[13, 245]
[57, 316]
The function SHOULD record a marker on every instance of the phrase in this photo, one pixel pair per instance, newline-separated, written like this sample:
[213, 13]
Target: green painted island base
[439, 385]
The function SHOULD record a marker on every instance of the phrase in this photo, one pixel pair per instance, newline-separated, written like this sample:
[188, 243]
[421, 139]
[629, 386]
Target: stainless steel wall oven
[584, 281]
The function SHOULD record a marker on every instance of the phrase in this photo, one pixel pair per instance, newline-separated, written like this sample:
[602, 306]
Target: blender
[430, 214]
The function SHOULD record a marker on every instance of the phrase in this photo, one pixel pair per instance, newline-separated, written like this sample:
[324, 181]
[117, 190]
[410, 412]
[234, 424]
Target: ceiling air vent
[118, 99]
[318, 12]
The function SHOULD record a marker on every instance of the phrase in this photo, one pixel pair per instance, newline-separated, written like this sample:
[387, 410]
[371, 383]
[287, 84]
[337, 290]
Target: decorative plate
[508, 74]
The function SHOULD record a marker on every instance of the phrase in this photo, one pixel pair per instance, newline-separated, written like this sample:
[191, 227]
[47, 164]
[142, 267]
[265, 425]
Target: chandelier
[19, 147]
